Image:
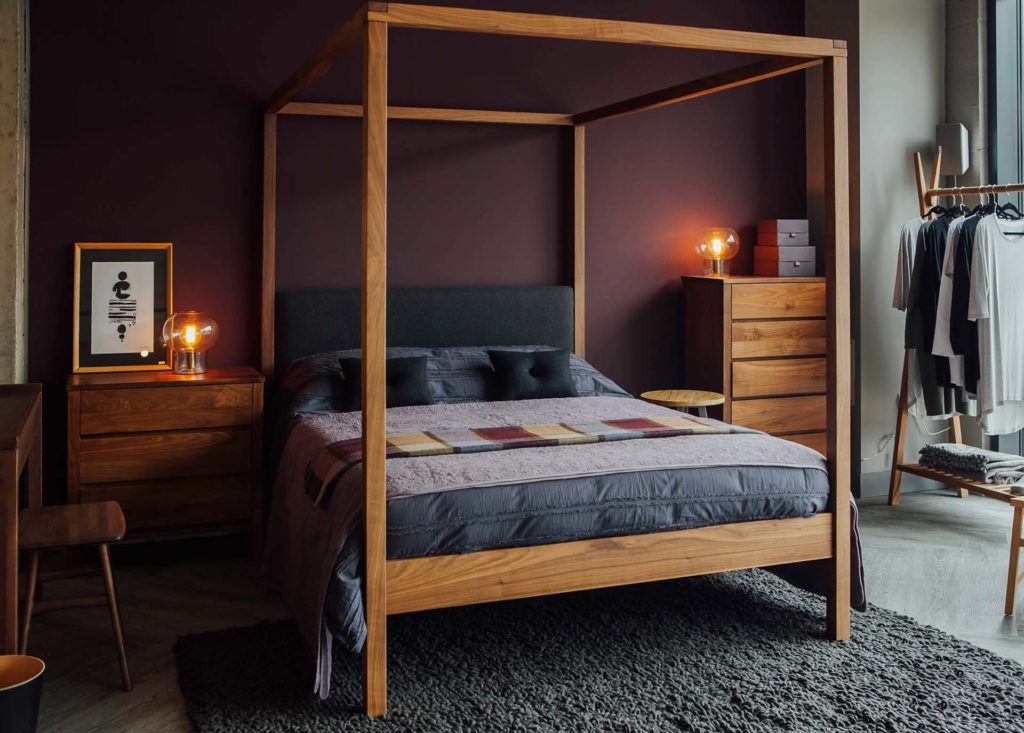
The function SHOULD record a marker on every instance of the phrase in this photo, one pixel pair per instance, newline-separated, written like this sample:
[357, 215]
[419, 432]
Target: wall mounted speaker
[956, 155]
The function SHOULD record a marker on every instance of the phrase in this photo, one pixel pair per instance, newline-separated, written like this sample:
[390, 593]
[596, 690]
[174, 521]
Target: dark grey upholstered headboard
[313, 321]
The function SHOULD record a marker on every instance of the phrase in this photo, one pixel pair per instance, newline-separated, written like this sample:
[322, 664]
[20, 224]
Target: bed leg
[838, 601]
[838, 623]
[375, 670]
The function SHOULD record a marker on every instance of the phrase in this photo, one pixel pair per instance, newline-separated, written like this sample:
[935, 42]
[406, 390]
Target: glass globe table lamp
[716, 245]
[189, 336]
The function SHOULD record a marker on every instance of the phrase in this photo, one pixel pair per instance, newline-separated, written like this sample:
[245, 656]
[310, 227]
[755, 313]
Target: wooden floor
[936, 558]
[942, 561]
[165, 591]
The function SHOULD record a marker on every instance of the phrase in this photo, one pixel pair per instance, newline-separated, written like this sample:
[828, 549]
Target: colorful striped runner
[337, 458]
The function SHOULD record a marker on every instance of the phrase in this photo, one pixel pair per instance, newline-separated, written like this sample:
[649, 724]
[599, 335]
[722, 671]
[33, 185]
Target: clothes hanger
[987, 206]
[961, 207]
[1008, 210]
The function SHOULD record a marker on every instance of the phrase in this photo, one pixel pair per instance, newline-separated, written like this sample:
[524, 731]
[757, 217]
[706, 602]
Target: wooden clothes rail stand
[927, 195]
[400, 586]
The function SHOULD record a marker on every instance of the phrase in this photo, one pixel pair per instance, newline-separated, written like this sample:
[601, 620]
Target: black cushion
[531, 375]
[406, 382]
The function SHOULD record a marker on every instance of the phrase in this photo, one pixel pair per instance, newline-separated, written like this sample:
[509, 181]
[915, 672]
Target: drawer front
[768, 238]
[785, 268]
[168, 504]
[165, 455]
[778, 300]
[783, 225]
[785, 254]
[165, 408]
[815, 441]
[781, 414]
[777, 338]
[778, 377]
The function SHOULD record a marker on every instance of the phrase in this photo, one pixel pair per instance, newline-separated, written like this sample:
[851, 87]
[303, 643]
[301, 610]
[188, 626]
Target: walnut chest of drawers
[180, 454]
[760, 341]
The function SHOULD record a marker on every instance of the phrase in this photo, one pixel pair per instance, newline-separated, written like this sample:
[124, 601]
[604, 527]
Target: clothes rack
[928, 193]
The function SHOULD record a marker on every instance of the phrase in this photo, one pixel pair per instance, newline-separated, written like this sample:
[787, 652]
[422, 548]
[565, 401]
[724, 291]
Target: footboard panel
[443, 581]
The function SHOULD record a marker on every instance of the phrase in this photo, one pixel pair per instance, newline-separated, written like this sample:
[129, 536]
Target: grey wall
[899, 57]
[902, 71]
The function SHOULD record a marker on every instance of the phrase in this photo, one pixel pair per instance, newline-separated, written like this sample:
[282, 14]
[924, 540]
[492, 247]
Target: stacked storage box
[784, 249]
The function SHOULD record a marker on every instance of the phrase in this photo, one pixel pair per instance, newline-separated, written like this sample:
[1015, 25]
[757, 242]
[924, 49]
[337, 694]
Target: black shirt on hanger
[922, 310]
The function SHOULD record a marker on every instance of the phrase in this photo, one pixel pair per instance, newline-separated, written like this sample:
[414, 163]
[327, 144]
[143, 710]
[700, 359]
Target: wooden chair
[72, 525]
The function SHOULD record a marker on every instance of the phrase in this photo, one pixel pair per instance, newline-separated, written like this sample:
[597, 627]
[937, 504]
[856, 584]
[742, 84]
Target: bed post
[837, 259]
[374, 302]
[579, 279]
[267, 274]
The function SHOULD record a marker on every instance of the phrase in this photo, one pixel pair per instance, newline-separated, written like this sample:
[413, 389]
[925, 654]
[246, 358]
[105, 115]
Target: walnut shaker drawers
[761, 342]
[180, 454]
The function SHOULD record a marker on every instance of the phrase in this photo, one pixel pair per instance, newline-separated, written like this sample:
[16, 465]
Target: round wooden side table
[684, 399]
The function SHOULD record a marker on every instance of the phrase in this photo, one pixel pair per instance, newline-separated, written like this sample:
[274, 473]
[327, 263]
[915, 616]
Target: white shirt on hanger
[940, 343]
[997, 304]
[905, 263]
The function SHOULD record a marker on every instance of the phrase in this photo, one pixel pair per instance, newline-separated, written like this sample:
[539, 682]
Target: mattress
[543, 512]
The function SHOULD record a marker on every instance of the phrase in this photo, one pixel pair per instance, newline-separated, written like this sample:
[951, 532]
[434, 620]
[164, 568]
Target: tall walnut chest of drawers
[180, 454]
[761, 342]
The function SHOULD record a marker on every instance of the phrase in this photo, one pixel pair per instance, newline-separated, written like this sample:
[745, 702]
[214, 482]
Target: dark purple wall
[145, 126]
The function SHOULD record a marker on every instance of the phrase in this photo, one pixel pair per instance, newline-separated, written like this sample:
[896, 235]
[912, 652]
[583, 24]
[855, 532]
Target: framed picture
[122, 298]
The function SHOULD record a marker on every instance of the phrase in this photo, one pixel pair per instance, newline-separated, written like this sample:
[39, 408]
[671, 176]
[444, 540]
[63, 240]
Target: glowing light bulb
[189, 336]
[716, 245]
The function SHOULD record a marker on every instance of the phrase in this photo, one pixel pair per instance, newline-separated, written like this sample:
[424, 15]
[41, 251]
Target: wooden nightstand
[760, 341]
[181, 454]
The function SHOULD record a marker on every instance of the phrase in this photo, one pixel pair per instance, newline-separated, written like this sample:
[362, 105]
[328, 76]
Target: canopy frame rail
[369, 27]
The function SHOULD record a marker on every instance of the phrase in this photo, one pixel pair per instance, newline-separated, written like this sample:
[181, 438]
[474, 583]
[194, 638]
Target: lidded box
[771, 261]
[783, 233]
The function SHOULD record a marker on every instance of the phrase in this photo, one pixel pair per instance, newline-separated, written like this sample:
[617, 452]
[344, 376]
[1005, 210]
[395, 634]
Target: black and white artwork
[122, 307]
[123, 294]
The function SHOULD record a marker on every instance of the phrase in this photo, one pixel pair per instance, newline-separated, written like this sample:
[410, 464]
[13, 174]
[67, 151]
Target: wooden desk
[21, 421]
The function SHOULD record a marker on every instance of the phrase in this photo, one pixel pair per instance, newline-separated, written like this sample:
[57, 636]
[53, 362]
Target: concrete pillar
[966, 82]
[13, 189]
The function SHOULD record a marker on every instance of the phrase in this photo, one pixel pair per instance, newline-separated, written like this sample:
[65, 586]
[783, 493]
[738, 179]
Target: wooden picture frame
[133, 313]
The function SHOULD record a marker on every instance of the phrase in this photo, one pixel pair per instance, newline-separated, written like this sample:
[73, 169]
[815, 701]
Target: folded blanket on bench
[337, 458]
[975, 463]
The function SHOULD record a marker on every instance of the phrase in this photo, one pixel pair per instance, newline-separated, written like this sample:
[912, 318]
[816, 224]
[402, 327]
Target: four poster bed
[450, 328]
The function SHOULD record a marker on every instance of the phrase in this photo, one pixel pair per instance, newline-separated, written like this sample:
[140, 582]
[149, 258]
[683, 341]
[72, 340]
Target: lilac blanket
[304, 541]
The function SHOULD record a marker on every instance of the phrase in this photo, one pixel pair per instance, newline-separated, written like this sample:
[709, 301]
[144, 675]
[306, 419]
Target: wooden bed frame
[402, 586]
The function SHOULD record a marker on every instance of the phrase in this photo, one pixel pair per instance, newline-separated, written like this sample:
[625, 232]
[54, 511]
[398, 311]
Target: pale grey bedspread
[305, 542]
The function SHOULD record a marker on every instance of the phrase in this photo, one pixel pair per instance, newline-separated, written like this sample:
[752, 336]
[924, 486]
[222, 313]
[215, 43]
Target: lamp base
[714, 267]
[189, 362]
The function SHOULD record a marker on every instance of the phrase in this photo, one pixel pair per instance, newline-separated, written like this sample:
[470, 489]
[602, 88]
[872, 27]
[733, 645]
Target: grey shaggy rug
[736, 652]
